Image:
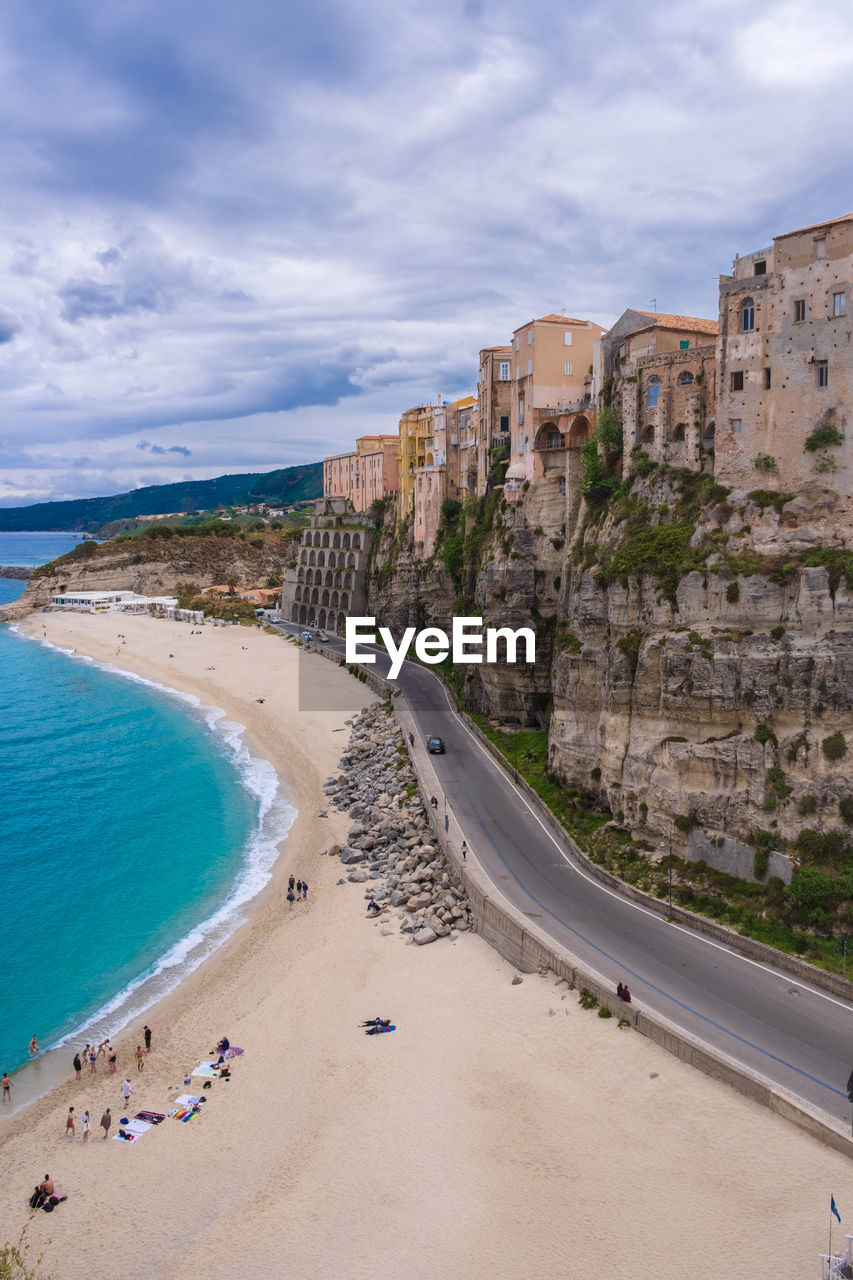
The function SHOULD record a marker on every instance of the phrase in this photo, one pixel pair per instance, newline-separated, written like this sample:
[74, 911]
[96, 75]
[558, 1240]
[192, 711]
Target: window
[737, 425]
[684, 344]
[760, 268]
[767, 379]
[839, 304]
[747, 315]
[685, 379]
[737, 381]
[520, 410]
[529, 337]
[517, 367]
[518, 343]
[799, 310]
[567, 338]
[822, 367]
[569, 367]
[653, 392]
[504, 371]
[529, 367]
[504, 422]
[820, 247]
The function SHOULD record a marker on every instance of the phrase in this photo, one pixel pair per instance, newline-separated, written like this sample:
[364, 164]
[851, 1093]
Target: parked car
[306, 636]
[435, 746]
[321, 635]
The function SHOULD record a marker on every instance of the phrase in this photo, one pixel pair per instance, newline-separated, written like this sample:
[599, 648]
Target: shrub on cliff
[835, 746]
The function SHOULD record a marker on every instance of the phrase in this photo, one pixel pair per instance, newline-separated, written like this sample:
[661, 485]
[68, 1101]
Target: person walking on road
[464, 850]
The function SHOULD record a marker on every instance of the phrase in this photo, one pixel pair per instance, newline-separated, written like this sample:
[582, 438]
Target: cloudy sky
[237, 235]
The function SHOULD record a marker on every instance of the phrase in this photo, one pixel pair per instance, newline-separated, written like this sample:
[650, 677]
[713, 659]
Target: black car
[435, 746]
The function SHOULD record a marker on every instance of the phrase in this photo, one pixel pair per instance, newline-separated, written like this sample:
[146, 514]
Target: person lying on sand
[377, 1022]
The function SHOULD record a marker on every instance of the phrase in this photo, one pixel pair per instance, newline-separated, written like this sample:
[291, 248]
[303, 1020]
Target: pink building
[369, 473]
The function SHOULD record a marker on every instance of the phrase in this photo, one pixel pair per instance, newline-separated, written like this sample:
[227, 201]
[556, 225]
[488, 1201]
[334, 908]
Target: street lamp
[663, 846]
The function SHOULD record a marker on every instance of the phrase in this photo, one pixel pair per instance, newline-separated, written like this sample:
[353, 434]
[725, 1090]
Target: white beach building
[125, 602]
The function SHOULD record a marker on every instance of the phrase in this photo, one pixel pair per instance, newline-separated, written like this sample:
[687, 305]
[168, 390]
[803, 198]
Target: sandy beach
[500, 1131]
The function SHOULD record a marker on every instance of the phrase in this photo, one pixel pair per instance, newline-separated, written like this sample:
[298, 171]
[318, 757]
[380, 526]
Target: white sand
[501, 1131]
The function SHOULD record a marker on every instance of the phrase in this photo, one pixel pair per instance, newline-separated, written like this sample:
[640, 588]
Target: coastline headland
[21, 572]
[500, 1129]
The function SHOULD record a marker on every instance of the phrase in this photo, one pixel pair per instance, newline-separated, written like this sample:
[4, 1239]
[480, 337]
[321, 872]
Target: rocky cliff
[156, 566]
[695, 656]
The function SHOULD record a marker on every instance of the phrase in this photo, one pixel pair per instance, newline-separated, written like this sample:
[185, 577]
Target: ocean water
[135, 828]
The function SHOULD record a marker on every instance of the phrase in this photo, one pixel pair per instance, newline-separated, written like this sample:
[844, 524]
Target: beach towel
[233, 1052]
[132, 1131]
[152, 1117]
[186, 1100]
[208, 1069]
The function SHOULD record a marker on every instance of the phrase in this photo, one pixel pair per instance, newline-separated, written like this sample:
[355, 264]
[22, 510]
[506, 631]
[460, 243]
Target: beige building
[494, 397]
[370, 472]
[784, 361]
[551, 399]
[449, 451]
[416, 427]
[663, 369]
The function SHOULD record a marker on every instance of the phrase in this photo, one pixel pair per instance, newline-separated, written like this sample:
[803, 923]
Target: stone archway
[579, 432]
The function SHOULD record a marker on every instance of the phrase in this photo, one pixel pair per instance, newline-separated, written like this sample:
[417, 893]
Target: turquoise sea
[134, 826]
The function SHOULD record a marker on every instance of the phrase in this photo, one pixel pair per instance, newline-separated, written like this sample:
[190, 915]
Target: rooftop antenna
[654, 303]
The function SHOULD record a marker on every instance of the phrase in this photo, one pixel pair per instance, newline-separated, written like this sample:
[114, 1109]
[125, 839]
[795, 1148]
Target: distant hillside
[289, 484]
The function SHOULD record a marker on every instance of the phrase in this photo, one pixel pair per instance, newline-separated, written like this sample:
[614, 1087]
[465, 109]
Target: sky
[235, 237]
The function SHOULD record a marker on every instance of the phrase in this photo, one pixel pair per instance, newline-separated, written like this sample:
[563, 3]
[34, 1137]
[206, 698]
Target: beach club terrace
[125, 602]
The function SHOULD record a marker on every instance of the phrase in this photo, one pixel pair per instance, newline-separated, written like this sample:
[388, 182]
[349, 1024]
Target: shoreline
[132, 1001]
[501, 1129]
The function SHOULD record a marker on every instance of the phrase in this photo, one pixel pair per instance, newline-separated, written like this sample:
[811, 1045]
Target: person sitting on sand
[224, 1045]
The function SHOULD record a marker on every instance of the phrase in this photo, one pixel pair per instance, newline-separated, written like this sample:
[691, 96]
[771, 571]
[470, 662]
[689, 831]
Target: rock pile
[389, 840]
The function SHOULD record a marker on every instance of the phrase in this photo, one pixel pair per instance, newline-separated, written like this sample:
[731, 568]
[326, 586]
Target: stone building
[328, 581]
[448, 453]
[664, 378]
[551, 398]
[494, 396]
[369, 473]
[784, 363]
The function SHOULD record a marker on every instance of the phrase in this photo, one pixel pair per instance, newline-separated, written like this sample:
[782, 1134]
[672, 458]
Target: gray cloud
[267, 239]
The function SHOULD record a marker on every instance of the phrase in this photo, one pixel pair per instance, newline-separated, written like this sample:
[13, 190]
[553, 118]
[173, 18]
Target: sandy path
[500, 1131]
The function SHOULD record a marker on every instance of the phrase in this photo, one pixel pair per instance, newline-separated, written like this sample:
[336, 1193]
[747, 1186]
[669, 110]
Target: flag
[833, 1208]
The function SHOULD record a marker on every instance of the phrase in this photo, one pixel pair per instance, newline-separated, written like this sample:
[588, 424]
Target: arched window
[685, 379]
[356, 542]
[653, 394]
[747, 315]
[325, 539]
[321, 558]
[679, 432]
[648, 435]
[336, 540]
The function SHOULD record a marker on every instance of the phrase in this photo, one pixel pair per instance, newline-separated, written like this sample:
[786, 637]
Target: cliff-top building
[370, 472]
[551, 401]
[784, 357]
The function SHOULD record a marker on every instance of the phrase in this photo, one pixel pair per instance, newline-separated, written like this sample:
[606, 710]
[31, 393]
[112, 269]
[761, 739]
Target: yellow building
[416, 426]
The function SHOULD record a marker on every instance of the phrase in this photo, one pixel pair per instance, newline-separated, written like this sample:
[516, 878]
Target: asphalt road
[789, 1031]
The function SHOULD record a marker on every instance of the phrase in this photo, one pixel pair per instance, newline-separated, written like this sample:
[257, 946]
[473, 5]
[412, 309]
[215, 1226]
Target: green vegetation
[288, 485]
[586, 999]
[765, 462]
[764, 734]
[686, 822]
[835, 746]
[14, 1263]
[733, 592]
[824, 437]
[630, 645]
[845, 808]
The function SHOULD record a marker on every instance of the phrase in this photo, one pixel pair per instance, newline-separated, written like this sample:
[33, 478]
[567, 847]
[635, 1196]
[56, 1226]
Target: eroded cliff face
[695, 702]
[156, 567]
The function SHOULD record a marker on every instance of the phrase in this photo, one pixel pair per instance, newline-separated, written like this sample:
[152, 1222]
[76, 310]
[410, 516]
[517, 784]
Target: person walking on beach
[93, 1059]
[111, 1059]
[69, 1123]
[78, 1065]
[291, 882]
[290, 897]
[304, 890]
[126, 1091]
[147, 1030]
[7, 1087]
[298, 889]
[106, 1121]
[140, 1058]
[34, 1047]
[85, 1126]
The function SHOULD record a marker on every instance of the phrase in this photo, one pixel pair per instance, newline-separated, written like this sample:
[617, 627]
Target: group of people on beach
[85, 1124]
[296, 889]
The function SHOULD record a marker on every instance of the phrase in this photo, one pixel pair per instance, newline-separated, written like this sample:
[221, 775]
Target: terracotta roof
[555, 319]
[509, 348]
[690, 324]
[816, 226]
